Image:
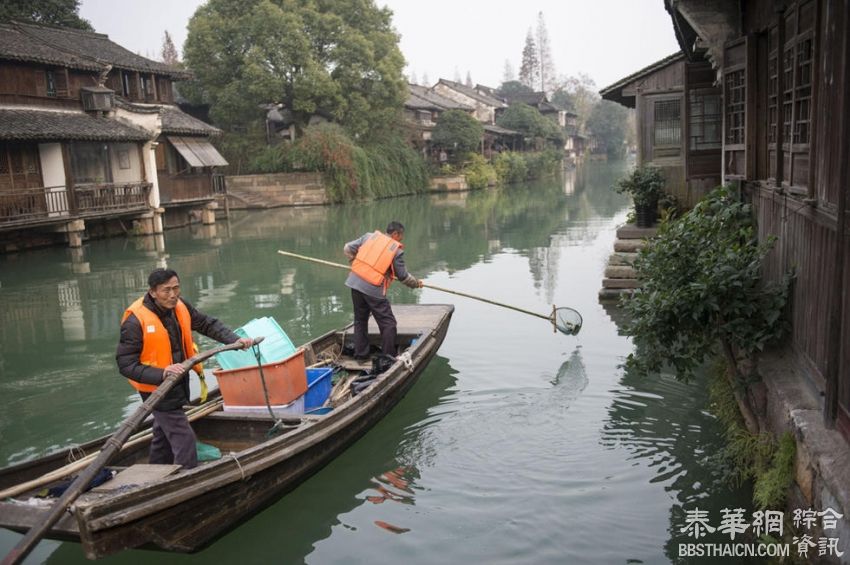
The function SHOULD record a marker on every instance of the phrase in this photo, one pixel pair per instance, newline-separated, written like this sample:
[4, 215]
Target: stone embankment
[275, 190]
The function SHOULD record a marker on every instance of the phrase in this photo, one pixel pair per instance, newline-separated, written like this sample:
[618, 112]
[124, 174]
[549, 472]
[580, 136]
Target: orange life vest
[375, 258]
[156, 345]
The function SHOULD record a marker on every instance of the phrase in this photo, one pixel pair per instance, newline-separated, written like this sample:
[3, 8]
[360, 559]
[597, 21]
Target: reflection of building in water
[287, 281]
[71, 312]
[569, 181]
[543, 263]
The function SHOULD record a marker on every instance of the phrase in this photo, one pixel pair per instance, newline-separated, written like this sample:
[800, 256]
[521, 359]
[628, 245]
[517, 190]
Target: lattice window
[705, 125]
[788, 94]
[772, 89]
[736, 91]
[668, 122]
[803, 91]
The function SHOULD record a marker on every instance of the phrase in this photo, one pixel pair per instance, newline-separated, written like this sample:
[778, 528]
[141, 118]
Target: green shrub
[479, 173]
[510, 167]
[350, 171]
[543, 163]
[702, 286]
[644, 184]
[270, 159]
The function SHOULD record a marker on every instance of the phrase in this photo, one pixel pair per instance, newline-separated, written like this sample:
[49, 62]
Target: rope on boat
[76, 452]
[238, 464]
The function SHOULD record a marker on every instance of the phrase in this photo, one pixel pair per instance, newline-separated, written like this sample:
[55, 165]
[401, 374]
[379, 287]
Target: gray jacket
[357, 283]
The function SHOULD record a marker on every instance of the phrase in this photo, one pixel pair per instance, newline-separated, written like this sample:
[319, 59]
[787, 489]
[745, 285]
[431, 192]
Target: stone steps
[620, 275]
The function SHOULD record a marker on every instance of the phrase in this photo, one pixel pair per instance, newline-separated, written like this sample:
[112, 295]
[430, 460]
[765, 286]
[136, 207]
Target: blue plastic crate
[275, 347]
[318, 387]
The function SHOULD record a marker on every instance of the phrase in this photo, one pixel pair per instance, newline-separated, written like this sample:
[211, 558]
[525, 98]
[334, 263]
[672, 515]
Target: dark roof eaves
[609, 90]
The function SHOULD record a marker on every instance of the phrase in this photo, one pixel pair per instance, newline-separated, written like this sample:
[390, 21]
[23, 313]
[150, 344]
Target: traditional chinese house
[91, 142]
[677, 111]
[783, 72]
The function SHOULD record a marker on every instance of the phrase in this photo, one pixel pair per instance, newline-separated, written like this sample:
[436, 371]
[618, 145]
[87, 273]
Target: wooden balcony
[31, 207]
[99, 199]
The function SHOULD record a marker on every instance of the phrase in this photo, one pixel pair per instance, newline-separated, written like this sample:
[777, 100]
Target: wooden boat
[167, 508]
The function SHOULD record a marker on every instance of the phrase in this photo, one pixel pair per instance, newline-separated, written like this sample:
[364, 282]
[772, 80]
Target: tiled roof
[530, 98]
[16, 45]
[176, 121]
[474, 94]
[500, 130]
[45, 125]
[73, 48]
[436, 98]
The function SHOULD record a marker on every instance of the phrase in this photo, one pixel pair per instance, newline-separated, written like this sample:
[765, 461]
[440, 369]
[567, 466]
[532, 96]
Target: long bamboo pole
[27, 543]
[427, 285]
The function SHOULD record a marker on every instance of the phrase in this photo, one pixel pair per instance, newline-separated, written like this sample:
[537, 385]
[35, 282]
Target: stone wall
[448, 183]
[273, 190]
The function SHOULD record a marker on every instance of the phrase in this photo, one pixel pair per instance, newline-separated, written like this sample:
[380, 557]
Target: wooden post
[833, 364]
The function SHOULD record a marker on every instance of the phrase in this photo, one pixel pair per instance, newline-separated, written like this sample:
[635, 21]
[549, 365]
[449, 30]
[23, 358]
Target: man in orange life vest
[376, 259]
[156, 335]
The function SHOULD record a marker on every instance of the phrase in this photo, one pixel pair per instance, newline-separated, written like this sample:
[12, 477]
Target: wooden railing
[20, 207]
[92, 199]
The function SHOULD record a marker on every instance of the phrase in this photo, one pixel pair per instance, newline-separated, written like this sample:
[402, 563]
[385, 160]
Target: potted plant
[646, 186]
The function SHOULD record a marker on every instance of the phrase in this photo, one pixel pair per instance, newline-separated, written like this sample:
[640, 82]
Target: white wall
[129, 154]
[53, 177]
[52, 166]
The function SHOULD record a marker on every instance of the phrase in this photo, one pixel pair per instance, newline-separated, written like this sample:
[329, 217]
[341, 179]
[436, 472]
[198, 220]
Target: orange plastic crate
[286, 381]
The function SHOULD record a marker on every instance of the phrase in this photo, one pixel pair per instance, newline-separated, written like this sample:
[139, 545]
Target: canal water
[518, 445]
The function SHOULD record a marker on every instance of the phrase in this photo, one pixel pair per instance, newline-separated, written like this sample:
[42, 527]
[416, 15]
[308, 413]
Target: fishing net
[567, 320]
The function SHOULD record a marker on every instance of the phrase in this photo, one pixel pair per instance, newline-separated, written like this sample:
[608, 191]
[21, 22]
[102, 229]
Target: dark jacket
[130, 348]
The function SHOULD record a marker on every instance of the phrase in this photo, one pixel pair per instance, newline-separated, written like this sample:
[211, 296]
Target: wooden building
[783, 67]
[82, 121]
[679, 122]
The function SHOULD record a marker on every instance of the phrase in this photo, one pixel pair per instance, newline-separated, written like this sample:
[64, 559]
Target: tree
[469, 82]
[528, 72]
[508, 72]
[528, 121]
[581, 92]
[512, 88]
[425, 81]
[702, 286]
[545, 63]
[52, 12]
[169, 51]
[609, 123]
[339, 58]
[456, 77]
[413, 79]
[457, 130]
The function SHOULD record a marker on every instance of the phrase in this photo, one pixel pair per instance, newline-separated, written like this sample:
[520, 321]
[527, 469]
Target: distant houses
[424, 105]
[92, 142]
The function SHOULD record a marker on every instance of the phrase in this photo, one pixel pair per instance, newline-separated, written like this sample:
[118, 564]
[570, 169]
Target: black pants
[173, 439]
[383, 313]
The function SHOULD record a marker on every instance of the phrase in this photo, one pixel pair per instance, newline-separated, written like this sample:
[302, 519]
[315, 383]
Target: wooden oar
[570, 328]
[109, 449]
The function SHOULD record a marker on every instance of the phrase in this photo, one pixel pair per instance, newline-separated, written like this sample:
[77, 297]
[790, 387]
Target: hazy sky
[607, 39]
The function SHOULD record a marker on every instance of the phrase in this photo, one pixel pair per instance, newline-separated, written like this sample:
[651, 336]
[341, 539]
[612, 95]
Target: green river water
[517, 445]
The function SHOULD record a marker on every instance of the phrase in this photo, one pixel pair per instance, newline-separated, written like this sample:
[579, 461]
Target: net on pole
[567, 320]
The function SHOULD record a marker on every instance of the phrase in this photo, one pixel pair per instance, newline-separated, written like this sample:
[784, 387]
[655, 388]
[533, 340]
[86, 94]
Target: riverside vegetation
[703, 295]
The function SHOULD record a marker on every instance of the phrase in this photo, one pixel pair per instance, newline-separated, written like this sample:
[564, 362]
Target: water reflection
[664, 426]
